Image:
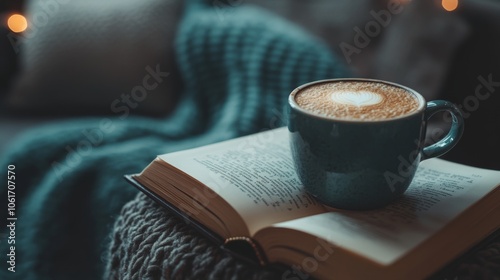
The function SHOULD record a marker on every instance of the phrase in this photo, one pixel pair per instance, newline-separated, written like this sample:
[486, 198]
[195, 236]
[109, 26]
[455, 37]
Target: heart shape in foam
[356, 98]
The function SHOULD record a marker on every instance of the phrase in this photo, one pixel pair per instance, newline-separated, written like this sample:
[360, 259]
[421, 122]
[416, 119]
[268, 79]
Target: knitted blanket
[150, 242]
[238, 66]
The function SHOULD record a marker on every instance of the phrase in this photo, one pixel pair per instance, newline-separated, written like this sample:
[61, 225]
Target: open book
[247, 189]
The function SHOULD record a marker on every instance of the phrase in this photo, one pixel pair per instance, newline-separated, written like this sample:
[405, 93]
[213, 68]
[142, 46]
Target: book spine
[231, 244]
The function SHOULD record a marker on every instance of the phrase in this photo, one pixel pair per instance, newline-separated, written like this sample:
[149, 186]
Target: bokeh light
[449, 5]
[17, 23]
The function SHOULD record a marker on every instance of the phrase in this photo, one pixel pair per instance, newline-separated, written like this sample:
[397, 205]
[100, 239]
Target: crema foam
[357, 100]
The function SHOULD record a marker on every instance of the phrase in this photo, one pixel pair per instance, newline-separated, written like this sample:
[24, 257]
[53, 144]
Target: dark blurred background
[79, 58]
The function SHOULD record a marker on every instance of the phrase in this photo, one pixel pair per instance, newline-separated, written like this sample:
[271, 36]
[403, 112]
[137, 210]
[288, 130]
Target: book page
[440, 191]
[254, 174]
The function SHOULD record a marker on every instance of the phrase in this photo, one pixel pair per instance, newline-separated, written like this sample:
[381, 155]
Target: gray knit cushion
[150, 243]
[80, 56]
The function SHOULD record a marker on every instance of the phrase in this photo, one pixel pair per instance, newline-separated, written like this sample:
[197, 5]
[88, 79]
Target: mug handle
[451, 139]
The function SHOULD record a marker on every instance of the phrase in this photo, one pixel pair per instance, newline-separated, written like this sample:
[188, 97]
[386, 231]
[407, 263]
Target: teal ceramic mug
[348, 153]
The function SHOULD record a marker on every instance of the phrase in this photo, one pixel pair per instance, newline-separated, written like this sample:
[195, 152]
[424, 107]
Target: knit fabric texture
[238, 65]
[150, 243]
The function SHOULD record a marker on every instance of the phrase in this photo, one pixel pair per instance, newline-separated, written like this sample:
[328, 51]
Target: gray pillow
[90, 56]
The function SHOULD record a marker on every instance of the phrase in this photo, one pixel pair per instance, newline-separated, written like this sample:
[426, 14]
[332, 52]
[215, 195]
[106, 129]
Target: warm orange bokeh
[17, 23]
[449, 5]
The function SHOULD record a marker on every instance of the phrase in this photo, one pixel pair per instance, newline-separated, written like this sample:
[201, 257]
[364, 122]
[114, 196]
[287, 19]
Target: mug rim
[293, 104]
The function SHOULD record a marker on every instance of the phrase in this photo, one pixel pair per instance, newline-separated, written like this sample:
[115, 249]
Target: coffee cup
[357, 143]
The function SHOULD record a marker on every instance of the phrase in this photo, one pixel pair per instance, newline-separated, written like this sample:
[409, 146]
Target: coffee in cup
[357, 143]
[357, 100]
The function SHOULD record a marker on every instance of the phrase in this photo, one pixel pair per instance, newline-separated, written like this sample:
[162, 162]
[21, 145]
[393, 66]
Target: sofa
[158, 81]
[59, 73]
